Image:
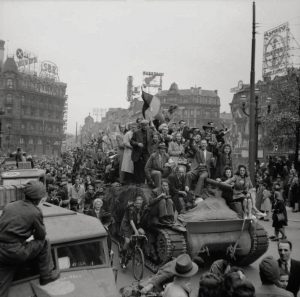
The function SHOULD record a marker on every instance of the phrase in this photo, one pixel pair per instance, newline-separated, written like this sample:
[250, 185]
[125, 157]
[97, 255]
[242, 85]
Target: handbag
[280, 217]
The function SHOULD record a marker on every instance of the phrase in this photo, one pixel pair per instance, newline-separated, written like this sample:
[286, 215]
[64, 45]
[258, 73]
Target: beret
[34, 190]
[269, 269]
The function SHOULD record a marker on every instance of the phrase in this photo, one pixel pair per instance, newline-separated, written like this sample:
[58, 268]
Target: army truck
[79, 250]
[13, 181]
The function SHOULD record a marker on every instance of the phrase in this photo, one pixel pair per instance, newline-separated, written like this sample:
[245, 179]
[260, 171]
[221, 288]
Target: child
[131, 225]
[266, 201]
[284, 279]
[279, 215]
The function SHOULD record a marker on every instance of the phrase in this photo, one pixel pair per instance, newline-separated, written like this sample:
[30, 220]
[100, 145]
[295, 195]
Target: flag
[152, 103]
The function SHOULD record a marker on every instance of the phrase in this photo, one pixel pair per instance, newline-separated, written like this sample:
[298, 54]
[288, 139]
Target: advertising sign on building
[49, 69]
[152, 80]
[25, 60]
[276, 51]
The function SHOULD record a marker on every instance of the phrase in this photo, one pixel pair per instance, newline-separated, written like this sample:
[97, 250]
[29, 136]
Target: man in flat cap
[19, 221]
[269, 275]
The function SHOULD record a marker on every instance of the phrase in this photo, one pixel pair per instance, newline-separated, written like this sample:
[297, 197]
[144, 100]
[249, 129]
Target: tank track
[259, 245]
[170, 244]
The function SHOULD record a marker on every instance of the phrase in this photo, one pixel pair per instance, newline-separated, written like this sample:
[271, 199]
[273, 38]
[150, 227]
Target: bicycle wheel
[138, 263]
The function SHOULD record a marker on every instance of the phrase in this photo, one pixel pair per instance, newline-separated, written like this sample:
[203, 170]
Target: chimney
[216, 91]
[2, 42]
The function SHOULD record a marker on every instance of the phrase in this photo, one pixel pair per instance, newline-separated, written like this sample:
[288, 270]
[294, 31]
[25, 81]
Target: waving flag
[152, 103]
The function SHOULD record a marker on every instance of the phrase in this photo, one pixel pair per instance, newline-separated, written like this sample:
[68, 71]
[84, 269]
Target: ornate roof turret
[174, 87]
[10, 65]
[88, 120]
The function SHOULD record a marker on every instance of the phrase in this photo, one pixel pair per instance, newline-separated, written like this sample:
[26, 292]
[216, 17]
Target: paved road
[293, 234]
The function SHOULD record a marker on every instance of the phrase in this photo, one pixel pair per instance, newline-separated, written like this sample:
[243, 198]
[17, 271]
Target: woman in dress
[244, 194]
[127, 164]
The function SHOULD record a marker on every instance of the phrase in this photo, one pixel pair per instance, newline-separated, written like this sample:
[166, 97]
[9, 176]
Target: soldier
[19, 221]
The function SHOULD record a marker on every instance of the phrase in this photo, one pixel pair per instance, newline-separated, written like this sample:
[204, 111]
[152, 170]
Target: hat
[34, 190]
[145, 122]
[162, 146]
[183, 266]
[269, 270]
[210, 125]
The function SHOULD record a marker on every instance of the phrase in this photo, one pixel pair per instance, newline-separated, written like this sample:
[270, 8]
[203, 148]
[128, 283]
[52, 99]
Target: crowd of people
[277, 278]
[174, 161]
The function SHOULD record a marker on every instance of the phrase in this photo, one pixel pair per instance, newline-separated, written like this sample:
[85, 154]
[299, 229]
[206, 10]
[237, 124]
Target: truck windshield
[81, 254]
[69, 256]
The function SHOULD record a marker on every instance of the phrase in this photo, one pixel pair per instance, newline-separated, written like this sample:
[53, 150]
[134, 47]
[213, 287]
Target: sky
[98, 44]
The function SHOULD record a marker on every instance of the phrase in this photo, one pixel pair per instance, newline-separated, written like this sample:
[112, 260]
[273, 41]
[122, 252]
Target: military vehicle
[79, 250]
[210, 230]
[13, 181]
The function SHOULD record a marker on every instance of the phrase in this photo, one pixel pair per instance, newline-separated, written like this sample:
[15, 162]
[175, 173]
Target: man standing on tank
[20, 221]
[141, 141]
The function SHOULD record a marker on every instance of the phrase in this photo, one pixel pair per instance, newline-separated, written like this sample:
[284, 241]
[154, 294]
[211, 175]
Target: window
[39, 142]
[22, 99]
[22, 126]
[8, 110]
[30, 141]
[9, 83]
[21, 140]
[81, 255]
[9, 99]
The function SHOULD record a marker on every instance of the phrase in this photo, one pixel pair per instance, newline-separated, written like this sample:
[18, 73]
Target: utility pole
[76, 137]
[252, 116]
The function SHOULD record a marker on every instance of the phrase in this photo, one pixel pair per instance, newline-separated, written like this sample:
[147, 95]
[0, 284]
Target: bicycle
[135, 253]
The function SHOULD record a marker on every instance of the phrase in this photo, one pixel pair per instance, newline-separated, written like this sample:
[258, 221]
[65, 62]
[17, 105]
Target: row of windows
[39, 87]
[46, 104]
[34, 112]
[40, 127]
[195, 100]
[199, 113]
[32, 141]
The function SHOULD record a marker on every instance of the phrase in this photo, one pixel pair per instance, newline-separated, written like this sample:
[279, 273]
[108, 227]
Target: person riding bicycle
[131, 225]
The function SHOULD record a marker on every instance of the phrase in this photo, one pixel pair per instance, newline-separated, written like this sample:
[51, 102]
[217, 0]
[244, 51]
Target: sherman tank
[210, 230]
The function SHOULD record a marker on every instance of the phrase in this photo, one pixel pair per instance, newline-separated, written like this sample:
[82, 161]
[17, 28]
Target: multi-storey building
[32, 111]
[195, 105]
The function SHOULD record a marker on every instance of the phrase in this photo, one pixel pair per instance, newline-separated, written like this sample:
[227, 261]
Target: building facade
[195, 105]
[33, 111]
[266, 102]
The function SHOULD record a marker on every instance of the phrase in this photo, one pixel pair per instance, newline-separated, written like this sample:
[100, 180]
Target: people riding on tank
[23, 238]
[157, 166]
[201, 166]
[161, 205]
[176, 148]
[181, 199]
[243, 198]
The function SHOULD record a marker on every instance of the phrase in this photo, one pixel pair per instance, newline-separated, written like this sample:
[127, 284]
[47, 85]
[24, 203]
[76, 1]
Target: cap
[34, 190]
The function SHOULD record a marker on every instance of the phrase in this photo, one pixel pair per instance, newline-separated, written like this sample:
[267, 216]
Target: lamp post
[252, 111]
[258, 112]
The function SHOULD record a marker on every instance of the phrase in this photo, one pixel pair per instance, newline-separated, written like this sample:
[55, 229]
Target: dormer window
[9, 83]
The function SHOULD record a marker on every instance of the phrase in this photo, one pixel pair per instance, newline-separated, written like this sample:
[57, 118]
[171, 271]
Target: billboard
[276, 51]
[24, 61]
[152, 80]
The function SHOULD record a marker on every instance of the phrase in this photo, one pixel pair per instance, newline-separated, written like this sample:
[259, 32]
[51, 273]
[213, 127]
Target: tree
[283, 122]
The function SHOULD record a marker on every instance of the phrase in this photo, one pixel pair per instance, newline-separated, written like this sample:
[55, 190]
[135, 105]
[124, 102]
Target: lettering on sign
[276, 51]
